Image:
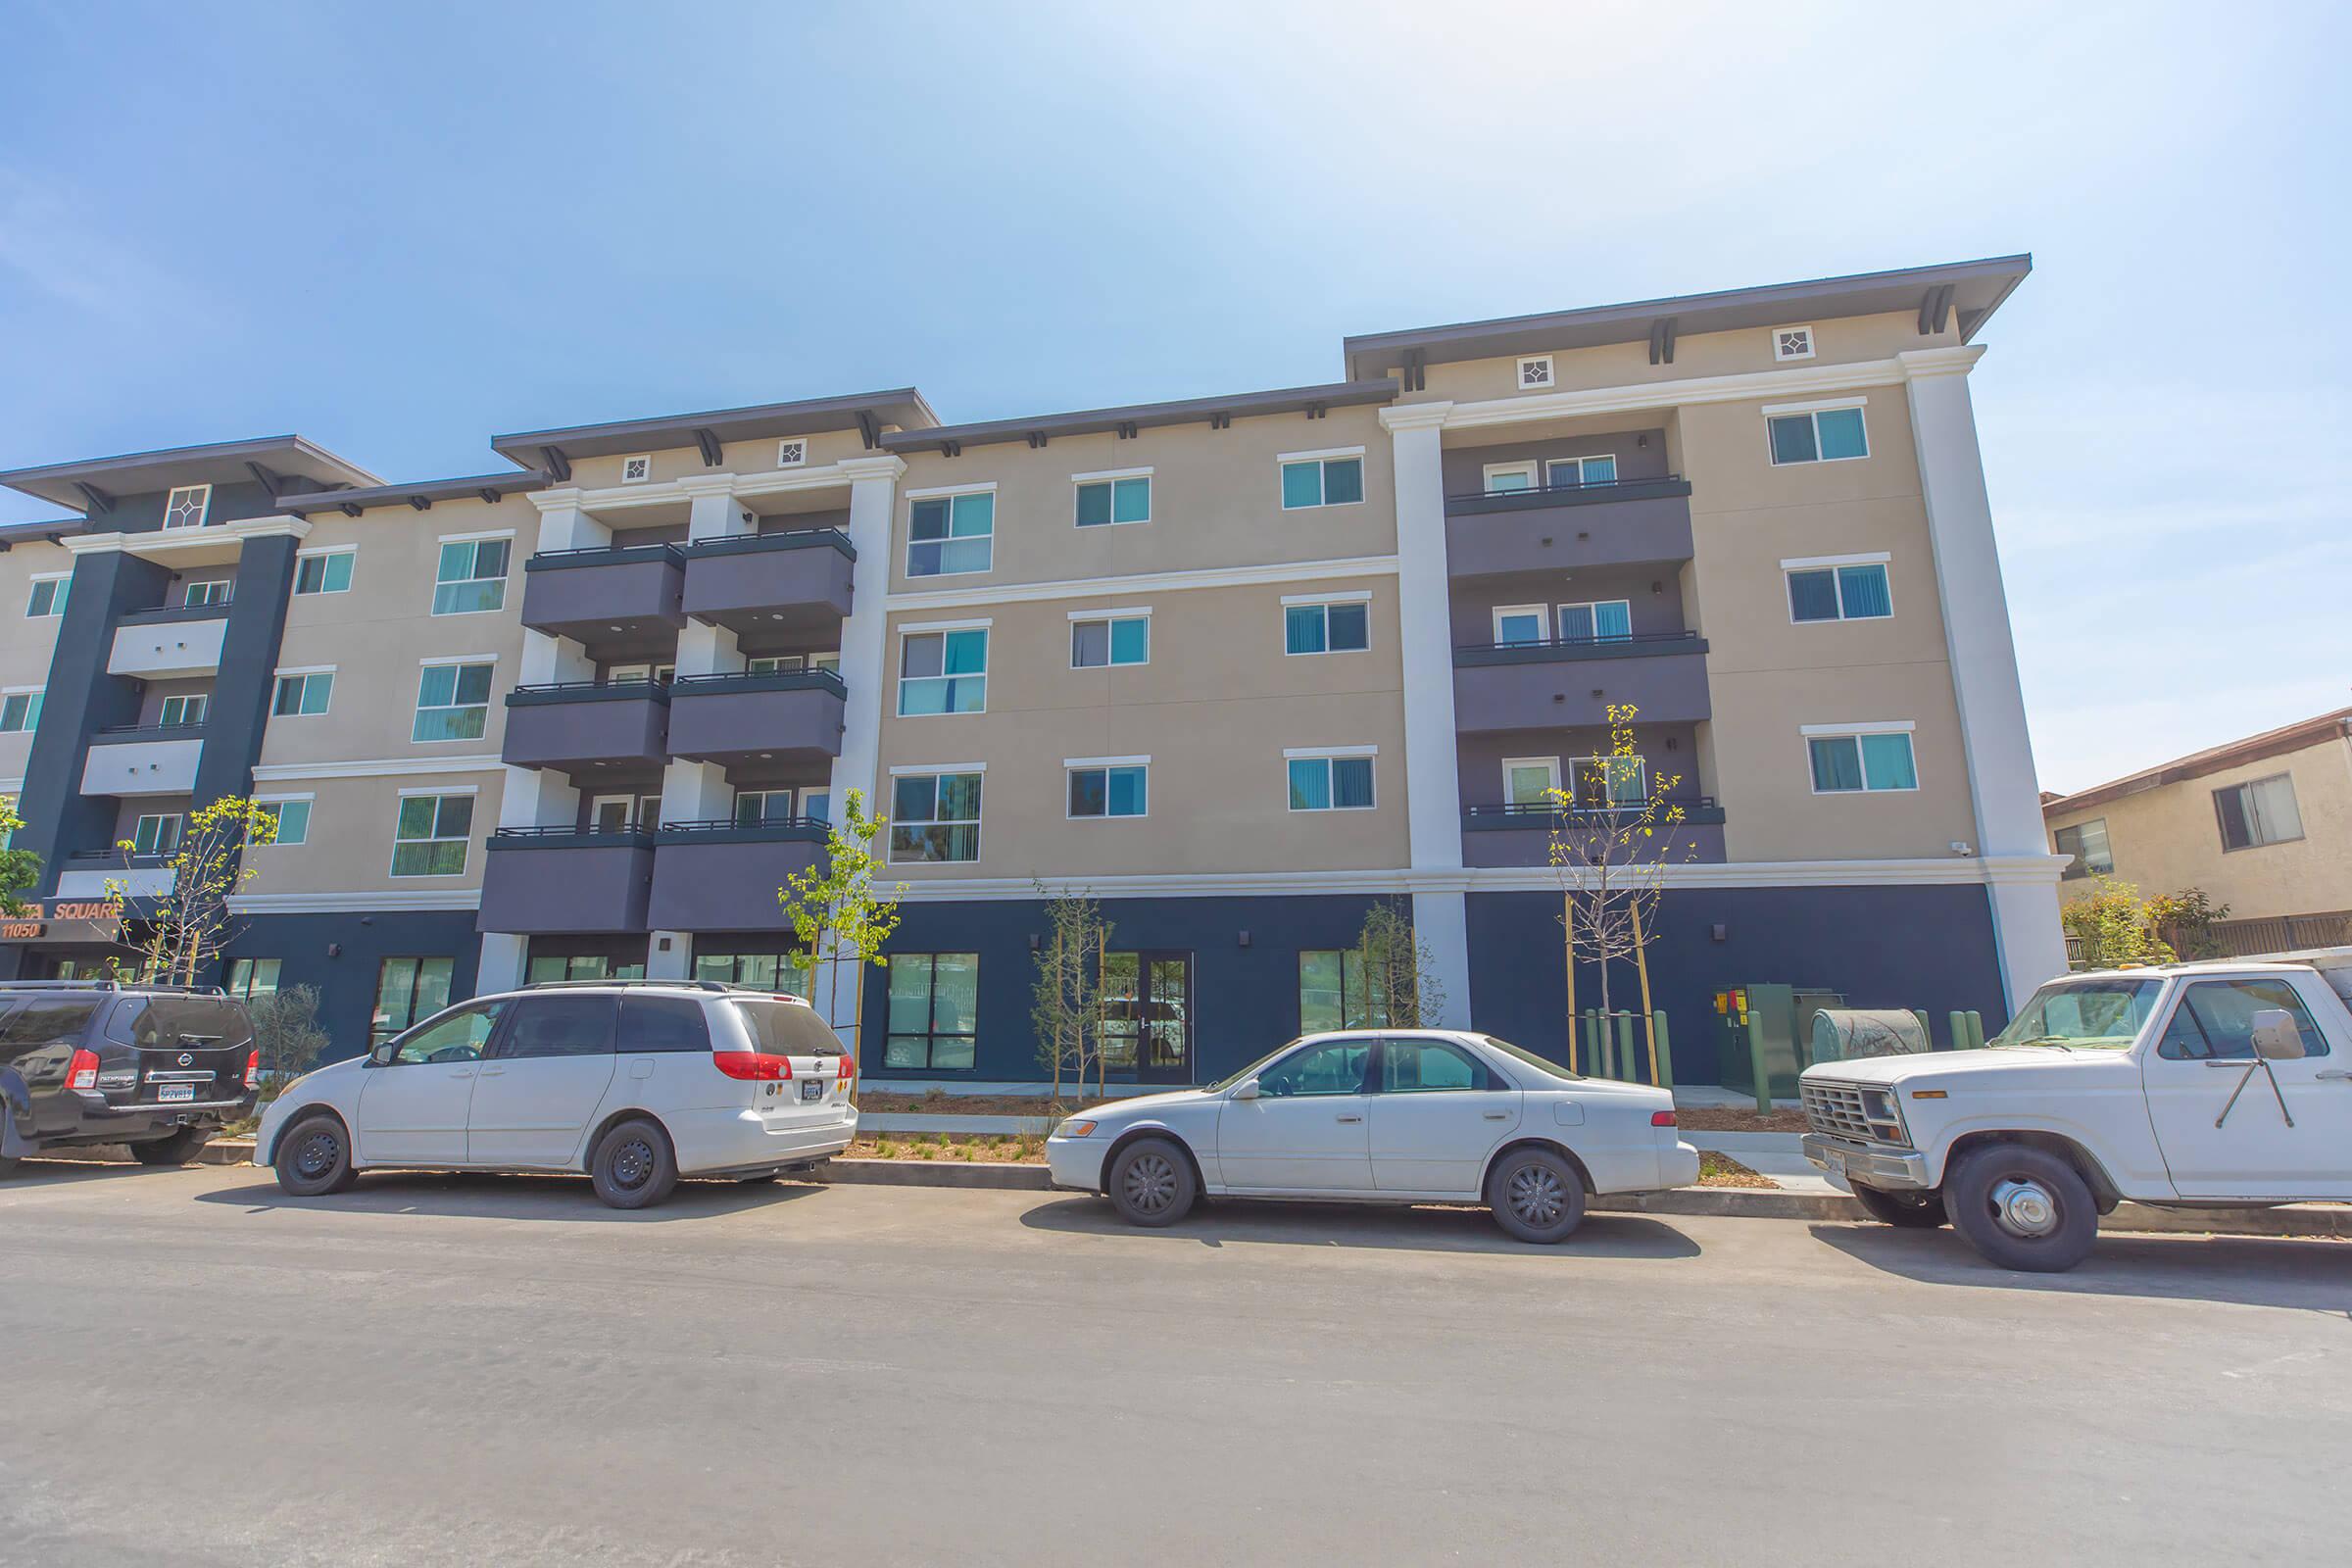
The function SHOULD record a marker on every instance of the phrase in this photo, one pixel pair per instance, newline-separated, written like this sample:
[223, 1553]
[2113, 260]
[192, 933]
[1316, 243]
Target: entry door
[1437, 1115]
[2206, 1048]
[412, 1109]
[1304, 1132]
[542, 1082]
[1147, 1016]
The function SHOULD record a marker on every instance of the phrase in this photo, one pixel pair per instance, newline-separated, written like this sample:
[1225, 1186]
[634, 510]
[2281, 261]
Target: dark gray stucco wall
[1465, 467]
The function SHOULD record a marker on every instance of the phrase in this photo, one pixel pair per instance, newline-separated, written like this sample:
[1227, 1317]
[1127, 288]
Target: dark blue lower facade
[341, 954]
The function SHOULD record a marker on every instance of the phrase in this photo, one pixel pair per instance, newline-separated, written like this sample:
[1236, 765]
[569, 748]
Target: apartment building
[1237, 666]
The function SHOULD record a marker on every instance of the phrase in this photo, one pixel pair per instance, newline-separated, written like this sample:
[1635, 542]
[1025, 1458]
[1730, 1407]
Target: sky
[400, 229]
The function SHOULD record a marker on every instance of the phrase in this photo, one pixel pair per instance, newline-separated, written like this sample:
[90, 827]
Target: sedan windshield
[2104, 1014]
[1251, 1069]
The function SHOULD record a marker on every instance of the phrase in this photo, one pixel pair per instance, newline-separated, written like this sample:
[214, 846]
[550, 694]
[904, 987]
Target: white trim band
[1882, 727]
[1867, 557]
[378, 768]
[1150, 582]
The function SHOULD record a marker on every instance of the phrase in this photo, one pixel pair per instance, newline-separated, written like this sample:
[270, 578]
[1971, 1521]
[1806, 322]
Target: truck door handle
[1349, 1116]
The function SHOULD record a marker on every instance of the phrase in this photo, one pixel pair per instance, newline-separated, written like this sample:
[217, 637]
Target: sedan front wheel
[1151, 1183]
[1535, 1195]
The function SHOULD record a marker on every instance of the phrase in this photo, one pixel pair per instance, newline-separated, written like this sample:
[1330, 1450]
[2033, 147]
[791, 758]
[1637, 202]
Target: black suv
[161, 1068]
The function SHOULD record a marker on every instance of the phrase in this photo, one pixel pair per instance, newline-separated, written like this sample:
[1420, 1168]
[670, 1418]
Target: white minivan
[634, 1082]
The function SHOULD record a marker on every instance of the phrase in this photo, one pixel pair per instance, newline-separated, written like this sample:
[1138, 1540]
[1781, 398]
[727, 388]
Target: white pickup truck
[2215, 1085]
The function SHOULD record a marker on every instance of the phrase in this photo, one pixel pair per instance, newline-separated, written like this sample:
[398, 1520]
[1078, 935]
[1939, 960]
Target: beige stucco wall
[349, 849]
[735, 457]
[2169, 837]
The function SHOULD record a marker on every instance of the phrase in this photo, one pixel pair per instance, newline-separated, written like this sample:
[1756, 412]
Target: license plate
[169, 1092]
[812, 1089]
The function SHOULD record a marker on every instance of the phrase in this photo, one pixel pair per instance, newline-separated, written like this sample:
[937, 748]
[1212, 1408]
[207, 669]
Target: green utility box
[1773, 1023]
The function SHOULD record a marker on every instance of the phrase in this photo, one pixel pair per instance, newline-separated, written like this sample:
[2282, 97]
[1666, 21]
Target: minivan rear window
[785, 1028]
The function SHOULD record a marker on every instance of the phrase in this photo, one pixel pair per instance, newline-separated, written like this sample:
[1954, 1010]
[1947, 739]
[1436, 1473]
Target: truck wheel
[2022, 1207]
[1905, 1211]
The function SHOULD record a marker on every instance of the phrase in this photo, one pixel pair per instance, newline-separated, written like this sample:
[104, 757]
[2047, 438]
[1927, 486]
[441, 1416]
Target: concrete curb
[935, 1173]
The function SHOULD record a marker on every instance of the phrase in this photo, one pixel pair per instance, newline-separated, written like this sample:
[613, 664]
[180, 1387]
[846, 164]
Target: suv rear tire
[2022, 1207]
[178, 1148]
[313, 1157]
[1905, 1211]
[634, 1166]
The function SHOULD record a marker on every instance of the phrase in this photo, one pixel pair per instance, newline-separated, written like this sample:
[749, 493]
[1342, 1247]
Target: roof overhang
[2288, 739]
[867, 413]
[1037, 429]
[53, 532]
[281, 462]
[420, 495]
[1962, 293]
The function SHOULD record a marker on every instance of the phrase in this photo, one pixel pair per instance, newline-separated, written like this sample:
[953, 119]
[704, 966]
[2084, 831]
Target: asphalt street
[477, 1370]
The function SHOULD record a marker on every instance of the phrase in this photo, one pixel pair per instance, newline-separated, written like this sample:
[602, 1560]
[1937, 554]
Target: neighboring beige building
[2262, 824]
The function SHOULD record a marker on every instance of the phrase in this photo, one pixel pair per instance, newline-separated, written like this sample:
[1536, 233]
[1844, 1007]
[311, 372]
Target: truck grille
[1835, 1110]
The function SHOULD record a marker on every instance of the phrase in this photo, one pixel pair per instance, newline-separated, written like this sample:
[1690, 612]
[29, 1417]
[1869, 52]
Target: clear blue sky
[399, 229]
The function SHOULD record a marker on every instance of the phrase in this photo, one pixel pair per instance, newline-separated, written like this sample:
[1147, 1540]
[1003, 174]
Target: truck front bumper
[1891, 1171]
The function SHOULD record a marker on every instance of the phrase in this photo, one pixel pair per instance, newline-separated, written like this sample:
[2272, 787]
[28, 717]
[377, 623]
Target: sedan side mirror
[1247, 1089]
[381, 1056]
[2276, 1037]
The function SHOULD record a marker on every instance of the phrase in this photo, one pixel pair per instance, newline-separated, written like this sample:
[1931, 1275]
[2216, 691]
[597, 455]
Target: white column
[676, 963]
[563, 526]
[500, 967]
[873, 485]
[548, 659]
[712, 512]
[1425, 651]
[1994, 740]
[699, 792]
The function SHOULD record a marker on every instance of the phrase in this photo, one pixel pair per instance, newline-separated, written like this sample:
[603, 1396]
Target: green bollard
[1756, 1061]
[1628, 1069]
[1959, 1027]
[1976, 1030]
[1594, 1064]
[1926, 1031]
[1658, 1024]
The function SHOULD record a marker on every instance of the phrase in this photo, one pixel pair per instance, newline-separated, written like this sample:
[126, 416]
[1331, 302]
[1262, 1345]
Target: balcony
[87, 874]
[136, 760]
[738, 721]
[1568, 527]
[1555, 684]
[724, 876]
[560, 881]
[580, 725]
[1521, 835]
[790, 584]
[626, 592]
[168, 644]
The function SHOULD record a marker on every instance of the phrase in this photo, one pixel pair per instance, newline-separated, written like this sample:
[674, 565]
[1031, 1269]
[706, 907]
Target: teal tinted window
[1348, 627]
[1887, 762]
[1793, 439]
[1863, 592]
[1841, 433]
[949, 534]
[1836, 763]
[1310, 783]
[1302, 485]
[1813, 595]
[1302, 630]
[1343, 480]
[1350, 783]
[1131, 639]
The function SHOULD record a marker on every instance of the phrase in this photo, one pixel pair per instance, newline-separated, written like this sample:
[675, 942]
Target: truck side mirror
[2276, 1037]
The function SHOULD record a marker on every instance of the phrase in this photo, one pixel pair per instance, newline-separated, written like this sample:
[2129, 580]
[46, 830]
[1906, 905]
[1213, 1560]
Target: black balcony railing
[1569, 495]
[165, 614]
[726, 830]
[605, 556]
[779, 680]
[1699, 811]
[589, 691]
[116, 734]
[1550, 650]
[567, 837]
[750, 543]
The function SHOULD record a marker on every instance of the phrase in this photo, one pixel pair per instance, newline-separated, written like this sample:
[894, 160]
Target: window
[1333, 992]
[1520, 625]
[472, 576]
[754, 806]
[325, 572]
[1334, 1067]
[935, 816]
[1561, 473]
[157, 835]
[1792, 343]
[2262, 811]
[1322, 480]
[1104, 500]
[636, 674]
[302, 693]
[942, 671]
[934, 1011]
[453, 702]
[1427, 1066]
[1534, 374]
[619, 813]
[785, 1028]
[1530, 780]
[779, 970]
[406, 990]
[1606, 621]
[946, 535]
[545, 966]
[1341, 626]
[213, 591]
[1862, 759]
[1110, 790]
[48, 596]
[249, 978]
[186, 506]
[1339, 782]
[637, 470]
[788, 663]
[429, 837]
[1610, 780]
[293, 820]
[1857, 591]
[1509, 478]
[1111, 640]
[19, 710]
[2215, 1020]
[460, 1037]
[817, 804]
[1817, 435]
[183, 712]
[664, 1024]
[2087, 850]
[557, 1026]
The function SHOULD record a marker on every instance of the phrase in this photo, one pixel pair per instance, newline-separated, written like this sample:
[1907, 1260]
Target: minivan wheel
[2022, 1207]
[1151, 1183]
[176, 1150]
[1535, 1195]
[1906, 1211]
[313, 1157]
[633, 1166]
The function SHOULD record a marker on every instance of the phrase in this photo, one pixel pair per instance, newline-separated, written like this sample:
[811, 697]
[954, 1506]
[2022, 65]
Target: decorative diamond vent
[1535, 376]
[793, 453]
[1792, 343]
[636, 470]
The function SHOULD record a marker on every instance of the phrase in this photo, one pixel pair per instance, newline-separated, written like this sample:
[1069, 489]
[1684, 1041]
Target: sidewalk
[1777, 1157]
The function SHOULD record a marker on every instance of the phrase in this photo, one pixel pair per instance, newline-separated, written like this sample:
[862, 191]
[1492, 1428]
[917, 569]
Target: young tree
[20, 869]
[2115, 927]
[184, 928]
[1400, 973]
[833, 909]
[286, 1032]
[1065, 1009]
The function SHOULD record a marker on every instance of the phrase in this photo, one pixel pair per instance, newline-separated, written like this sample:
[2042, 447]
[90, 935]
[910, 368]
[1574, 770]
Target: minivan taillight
[253, 1069]
[752, 1065]
[82, 1071]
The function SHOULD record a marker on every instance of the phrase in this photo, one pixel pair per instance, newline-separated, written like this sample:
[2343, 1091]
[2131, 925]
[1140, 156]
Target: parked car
[1384, 1117]
[635, 1083]
[161, 1068]
[2220, 1085]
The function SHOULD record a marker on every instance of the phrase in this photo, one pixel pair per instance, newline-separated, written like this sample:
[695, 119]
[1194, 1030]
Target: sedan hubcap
[633, 1165]
[1151, 1184]
[315, 1156]
[1535, 1194]
[2025, 1208]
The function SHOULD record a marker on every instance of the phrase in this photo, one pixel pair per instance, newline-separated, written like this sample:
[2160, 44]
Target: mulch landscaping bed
[1722, 1171]
[952, 1148]
[1709, 1120]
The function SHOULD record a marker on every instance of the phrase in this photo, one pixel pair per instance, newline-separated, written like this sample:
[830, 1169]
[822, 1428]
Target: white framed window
[453, 700]
[157, 834]
[1599, 620]
[432, 833]
[2085, 847]
[213, 591]
[942, 669]
[623, 674]
[1564, 473]
[2259, 812]
[325, 571]
[1521, 625]
[292, 815]
[951, 533]
[1509, 478]
[1792, 343]
[1333, 478]
[1112, 498]
[1535, 373]
[20, 710]
[754, 806]
[302, 693]
[48, 596]
[637, 470]
[1330, 778]
[1530, 780]
[619, 813]
[1612, 780]
[186, 506]
[470, 576]
[184, 711]
[1861, 759]
[1817, 432]
[1106, 637]
[249, 978]
[1838, 588]
[792, 452]
[793, 664]
[935, 815]
[1326, 623]
[1107, 786]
